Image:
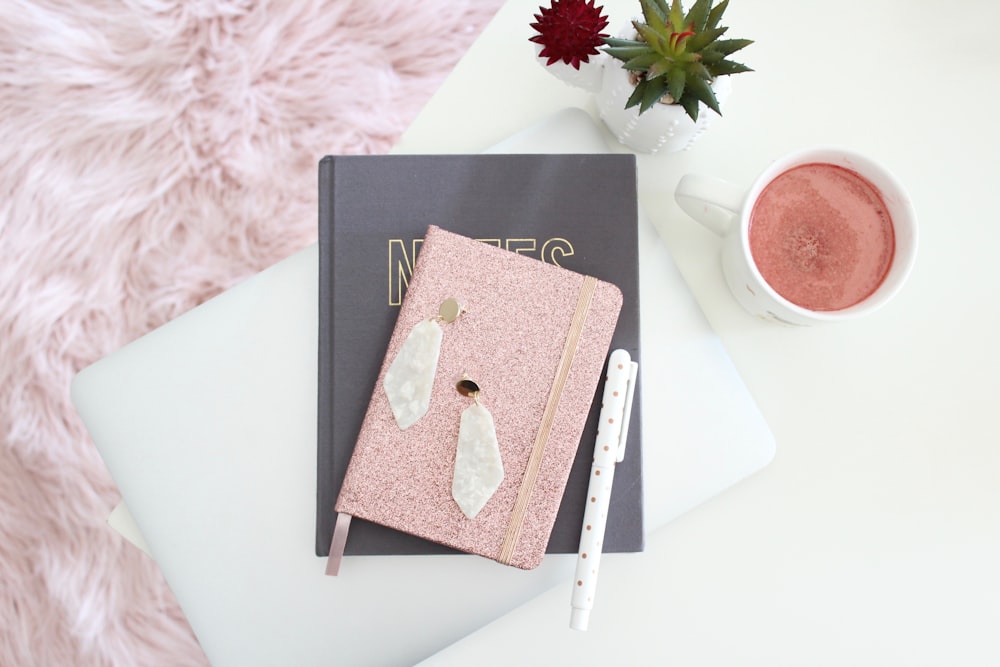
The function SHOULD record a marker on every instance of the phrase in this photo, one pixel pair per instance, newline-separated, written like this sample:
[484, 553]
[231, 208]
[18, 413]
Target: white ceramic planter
[588, 77]
[661, 128]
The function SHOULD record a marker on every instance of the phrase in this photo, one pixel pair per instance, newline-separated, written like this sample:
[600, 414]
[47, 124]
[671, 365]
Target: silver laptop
[208, 426]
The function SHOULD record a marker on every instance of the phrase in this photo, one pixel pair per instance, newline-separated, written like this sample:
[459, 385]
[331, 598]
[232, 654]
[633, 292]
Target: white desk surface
[874, 536]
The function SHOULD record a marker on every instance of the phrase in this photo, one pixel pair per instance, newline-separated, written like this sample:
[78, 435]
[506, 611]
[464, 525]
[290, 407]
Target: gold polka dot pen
[609, 449]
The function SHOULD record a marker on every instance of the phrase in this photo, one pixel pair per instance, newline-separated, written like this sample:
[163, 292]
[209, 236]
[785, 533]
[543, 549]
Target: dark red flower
[570, 31]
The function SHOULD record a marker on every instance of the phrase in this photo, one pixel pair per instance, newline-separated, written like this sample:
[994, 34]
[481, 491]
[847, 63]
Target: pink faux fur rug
[152, 154]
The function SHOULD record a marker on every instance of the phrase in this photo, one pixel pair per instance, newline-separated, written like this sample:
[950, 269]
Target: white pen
[609, 448]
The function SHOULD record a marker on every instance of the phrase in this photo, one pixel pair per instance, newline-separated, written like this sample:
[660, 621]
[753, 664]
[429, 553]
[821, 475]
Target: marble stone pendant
[409, 380]
[478, 468]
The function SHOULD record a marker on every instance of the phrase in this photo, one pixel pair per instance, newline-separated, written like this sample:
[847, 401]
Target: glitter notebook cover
[578, 211]
[511, 340]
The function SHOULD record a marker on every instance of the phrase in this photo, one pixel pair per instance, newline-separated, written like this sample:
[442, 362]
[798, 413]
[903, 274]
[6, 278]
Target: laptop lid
[208, 426]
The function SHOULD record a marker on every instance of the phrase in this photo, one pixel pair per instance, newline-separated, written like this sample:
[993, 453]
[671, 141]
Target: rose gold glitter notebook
[534, 337]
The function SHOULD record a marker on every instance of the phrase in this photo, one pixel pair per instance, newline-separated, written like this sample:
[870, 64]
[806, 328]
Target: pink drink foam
[821, 236]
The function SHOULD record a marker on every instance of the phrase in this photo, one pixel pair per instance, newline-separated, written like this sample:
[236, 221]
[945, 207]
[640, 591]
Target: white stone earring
[478, 467]
[410, 378]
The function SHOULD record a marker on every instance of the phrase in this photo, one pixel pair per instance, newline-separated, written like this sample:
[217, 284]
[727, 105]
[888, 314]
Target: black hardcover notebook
[577, 210]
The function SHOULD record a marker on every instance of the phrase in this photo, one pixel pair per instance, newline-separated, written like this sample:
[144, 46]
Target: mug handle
[711, 201]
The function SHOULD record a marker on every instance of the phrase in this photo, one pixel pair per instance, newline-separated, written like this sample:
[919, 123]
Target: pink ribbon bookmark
[337, 544]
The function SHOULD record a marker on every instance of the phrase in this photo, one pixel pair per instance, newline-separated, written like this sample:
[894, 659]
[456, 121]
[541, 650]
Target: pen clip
[633, 372]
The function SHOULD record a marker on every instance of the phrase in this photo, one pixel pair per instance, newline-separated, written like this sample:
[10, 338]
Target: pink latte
[821, 236]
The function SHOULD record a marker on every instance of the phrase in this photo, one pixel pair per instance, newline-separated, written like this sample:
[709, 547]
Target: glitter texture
[509, 341]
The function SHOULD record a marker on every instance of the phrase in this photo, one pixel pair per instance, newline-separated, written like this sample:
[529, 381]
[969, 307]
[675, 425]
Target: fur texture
[152, 154]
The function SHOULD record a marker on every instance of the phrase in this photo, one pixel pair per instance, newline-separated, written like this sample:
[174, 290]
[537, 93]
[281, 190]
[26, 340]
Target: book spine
[325, 386]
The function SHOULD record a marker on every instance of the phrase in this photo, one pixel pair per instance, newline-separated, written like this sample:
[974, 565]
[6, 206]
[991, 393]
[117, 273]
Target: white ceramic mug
[726, 210]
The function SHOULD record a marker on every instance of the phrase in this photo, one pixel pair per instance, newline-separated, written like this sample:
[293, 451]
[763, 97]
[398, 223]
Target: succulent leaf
[655, 13]
[727, 67]
[678, 41]
[650, 35]
[710, 56]
[676, 15]
[627, 53]
[654, 90]
[697, 16]
[636, 96]
[704, 39]
[621, 41]
[676, 81]
[698, 70]
[678, 54]
[700, 89]
[642, 63]
[659, 68]
[715, 15]
[730, 46]
[690, 104]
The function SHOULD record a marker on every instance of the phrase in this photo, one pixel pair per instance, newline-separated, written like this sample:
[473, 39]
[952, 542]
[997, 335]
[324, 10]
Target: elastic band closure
[513, 533]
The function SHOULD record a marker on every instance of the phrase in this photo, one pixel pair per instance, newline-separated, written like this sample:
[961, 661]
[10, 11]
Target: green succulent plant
[676, 56]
